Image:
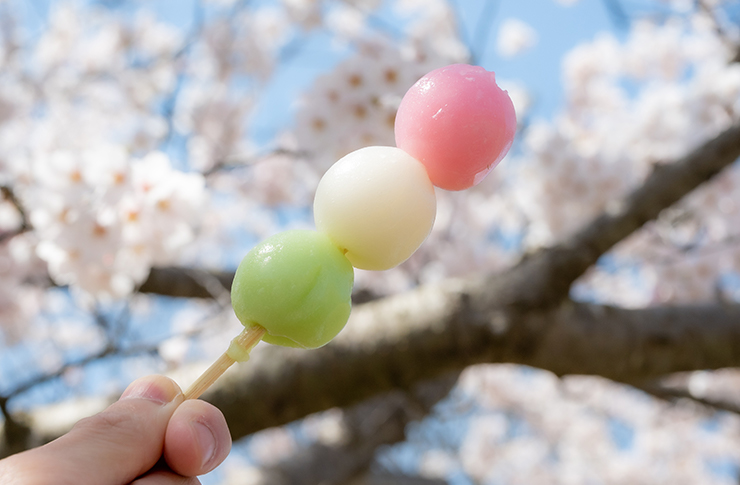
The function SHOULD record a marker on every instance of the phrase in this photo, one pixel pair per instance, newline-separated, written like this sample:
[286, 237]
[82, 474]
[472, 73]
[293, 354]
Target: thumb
[112, 447]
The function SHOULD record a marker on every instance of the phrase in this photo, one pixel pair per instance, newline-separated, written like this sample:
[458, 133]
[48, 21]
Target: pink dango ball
[458, 123]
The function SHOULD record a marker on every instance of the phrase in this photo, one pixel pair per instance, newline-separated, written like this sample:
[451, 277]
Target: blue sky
[559, 29]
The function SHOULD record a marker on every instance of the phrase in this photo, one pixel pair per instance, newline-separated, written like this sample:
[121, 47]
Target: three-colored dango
[373, 209]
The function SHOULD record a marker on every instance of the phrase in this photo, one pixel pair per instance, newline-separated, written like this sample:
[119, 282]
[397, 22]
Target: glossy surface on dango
[296, 284]
[377, 204]
[458, 123]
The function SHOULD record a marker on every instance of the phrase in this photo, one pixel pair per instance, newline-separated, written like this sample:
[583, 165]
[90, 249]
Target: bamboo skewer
[238, 350]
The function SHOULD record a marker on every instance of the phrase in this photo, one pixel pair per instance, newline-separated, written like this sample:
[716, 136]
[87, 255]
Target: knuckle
[111, 422]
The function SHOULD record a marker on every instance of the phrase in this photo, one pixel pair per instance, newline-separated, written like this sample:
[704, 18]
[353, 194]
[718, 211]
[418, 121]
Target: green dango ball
[298, 286]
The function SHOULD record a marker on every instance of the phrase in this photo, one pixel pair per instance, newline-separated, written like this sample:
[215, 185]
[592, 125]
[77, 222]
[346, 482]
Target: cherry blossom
[126, 145]
[515, 37]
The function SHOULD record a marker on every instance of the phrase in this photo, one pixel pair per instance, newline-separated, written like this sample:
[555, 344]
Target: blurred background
[146, 146]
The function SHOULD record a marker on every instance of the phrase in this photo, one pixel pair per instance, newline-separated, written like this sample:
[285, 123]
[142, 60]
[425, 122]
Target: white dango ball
[377, 204]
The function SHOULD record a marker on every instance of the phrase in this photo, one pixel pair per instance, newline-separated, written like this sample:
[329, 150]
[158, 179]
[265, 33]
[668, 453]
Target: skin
[151, 436]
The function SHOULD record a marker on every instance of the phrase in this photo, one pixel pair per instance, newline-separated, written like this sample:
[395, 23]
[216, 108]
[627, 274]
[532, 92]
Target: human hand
[151, 436]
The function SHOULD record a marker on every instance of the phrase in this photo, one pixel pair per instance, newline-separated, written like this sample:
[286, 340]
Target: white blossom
[515, 37]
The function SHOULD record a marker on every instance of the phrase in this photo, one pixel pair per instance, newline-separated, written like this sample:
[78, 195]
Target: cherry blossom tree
[575, 318]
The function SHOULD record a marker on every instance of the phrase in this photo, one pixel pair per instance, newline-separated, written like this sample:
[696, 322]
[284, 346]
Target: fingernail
[158, 389]
[206, 442]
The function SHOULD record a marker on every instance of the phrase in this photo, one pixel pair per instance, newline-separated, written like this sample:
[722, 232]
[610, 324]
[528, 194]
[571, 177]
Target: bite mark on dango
[458, 123]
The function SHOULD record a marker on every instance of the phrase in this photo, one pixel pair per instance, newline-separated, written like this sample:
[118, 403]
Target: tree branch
[672, 394]
[15, 434]
[377, 422]
[544, 279]
[182, 282]
[396, 342]
[8, 194]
